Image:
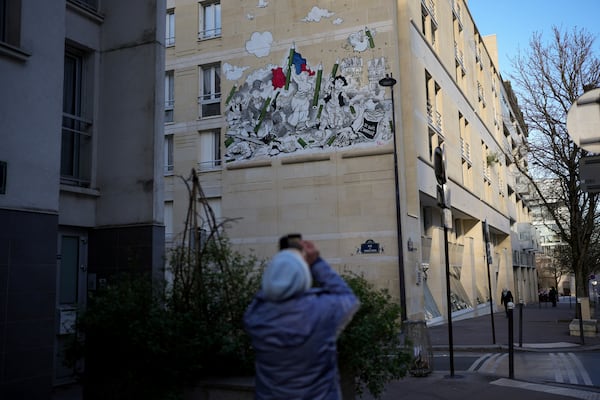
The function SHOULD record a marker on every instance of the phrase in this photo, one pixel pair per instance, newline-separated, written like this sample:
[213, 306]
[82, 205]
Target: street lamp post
[443, 197]
[388, 81]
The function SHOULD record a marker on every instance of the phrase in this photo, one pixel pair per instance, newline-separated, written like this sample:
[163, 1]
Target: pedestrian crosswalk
[559, 367]
[569, 369]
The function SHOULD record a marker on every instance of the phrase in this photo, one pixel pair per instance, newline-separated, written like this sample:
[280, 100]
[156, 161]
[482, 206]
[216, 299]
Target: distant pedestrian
[506, 298]
[294, 327]
[553, 295]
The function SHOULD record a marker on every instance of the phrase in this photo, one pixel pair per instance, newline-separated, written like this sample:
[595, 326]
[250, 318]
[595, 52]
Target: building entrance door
[71, 296]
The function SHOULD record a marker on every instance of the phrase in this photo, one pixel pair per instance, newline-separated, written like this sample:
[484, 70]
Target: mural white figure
[362, 40]
[232, 72]
[316, 13]
[301, 100]
[298, 107]
[260, 44]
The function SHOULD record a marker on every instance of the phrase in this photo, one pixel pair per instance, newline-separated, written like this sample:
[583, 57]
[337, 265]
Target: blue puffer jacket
[295, 340]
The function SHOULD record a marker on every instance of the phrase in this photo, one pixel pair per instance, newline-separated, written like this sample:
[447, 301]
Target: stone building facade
[81, 193]
[279, 106]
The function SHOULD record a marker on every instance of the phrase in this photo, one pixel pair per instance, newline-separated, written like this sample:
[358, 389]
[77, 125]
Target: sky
[514, 22]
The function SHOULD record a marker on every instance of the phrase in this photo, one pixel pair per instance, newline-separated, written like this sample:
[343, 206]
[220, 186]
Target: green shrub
[371, 350]
[142, 340]
[130, 343]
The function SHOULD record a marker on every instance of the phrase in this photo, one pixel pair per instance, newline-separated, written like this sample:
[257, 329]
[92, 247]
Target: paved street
[574, 368]
[549, 364]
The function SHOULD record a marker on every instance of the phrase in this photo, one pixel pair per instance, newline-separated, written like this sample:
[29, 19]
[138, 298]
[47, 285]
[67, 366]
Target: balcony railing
[480, 93]
[210, 105]
[457, 13]
[460, 60]
[430, 6]
[209, 33]
[210, 165]
[434, 118]
[169, 104]
[486, 174]
[465, 150]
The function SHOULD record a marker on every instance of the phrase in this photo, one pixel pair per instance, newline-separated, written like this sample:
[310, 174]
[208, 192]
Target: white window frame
[169, 95]
[169, 151]
[170, 28]
[210, 90]
[209, 150]
[76, 137]
[209, 19]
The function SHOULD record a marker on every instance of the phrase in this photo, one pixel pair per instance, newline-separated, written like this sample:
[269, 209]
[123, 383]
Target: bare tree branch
[550, 77]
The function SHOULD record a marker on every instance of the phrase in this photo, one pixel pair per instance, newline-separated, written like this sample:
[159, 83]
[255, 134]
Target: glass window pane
[209, 21]
[217, 90]
[218, 19]
[170, 28]
[207, 84]
[68, 270]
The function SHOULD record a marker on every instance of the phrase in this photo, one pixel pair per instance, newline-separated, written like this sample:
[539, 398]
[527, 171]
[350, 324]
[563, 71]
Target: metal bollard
[511, 344]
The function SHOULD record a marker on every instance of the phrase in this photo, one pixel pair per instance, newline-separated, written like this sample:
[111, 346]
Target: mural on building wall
[299, 106]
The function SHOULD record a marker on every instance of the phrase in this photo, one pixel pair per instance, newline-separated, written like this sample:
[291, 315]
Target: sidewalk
[544, 328]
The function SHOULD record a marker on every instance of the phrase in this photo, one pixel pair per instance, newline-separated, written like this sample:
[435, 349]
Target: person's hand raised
[311, 253]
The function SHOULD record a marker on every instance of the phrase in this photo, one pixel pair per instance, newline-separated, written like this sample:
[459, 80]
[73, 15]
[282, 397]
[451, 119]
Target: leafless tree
[550, 76]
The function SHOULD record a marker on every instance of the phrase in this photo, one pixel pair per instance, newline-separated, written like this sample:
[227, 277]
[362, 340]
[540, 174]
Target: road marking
[568, 367]
[492, 362]
[479, 362]
[582, 371]
[499, 360]
[557, 371]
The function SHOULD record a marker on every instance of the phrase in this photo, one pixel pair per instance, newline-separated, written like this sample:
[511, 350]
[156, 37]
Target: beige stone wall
[342, 197]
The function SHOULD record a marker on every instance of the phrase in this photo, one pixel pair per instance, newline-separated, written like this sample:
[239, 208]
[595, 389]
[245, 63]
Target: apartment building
[549, 264]
[81, 188]
[283, 109]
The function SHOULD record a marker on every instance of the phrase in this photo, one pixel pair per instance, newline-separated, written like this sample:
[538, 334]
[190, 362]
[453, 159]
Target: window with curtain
[209, 150]
[170, 28]
[168, 154]
[210, 87]
[210, 19]
[169, 95]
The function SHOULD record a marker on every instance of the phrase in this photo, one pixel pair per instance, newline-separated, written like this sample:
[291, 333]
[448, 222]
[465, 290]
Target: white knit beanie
[286, 276]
